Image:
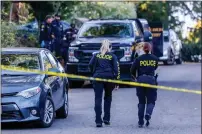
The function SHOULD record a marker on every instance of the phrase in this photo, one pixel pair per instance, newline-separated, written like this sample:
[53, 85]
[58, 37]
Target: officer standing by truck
[58, 32]
[104, 65]
[46, 34]
[145, 65]
[73, 30]
[68, 37]
[148, 35]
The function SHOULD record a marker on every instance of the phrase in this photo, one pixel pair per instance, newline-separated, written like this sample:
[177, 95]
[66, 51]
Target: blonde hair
[105, 47]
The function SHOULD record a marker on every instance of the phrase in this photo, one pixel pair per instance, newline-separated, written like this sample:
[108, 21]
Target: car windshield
[27, 61]
[121, 30]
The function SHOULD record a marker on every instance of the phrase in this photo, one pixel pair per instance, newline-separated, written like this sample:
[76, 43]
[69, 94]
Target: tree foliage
[168, 12]
[164, 11]
[10, 37]
[195, 34]
[42, 8]
[5, 7]
[94, 10]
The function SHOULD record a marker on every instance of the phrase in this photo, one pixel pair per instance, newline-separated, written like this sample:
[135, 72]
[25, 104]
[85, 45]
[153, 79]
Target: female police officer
[104, 65]
[145, 65]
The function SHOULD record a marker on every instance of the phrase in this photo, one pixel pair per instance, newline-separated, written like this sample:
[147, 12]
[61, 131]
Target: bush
[11, 37]
[8, 33]
[190, 50]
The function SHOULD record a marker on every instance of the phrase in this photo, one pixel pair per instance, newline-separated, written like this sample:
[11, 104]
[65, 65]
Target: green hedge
[189, 50]
[11, 37]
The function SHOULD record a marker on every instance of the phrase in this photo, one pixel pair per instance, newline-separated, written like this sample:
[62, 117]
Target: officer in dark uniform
[65, 44]
[73, 30]
[58, 32]
[104, 65]
[68, 37]
[70, 33]
[145, 65]
[148, 36]
[46, 33]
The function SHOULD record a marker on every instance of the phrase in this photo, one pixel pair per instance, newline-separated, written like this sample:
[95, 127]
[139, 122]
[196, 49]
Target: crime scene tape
[19, 69]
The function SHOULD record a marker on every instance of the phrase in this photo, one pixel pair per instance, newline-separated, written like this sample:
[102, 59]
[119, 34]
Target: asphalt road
[175, 112]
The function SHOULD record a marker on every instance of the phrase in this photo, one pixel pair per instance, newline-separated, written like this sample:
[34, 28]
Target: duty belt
[147, 75]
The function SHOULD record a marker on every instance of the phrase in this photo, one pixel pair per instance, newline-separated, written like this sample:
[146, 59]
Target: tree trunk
[11, 12]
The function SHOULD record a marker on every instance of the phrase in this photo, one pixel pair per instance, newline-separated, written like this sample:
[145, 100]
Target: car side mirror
[53, 70]
[147, 36]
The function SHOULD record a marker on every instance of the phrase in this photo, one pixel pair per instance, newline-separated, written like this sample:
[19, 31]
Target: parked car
[172, 47]
[33, 27]
[196, 58]
[30, 96]
[123, 34]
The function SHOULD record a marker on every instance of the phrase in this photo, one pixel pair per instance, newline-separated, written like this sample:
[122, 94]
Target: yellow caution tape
[18, 69]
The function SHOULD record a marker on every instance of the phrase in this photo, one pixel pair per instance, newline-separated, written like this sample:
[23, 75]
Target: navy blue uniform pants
[64, 53]
[98, 89]
[57, 47]
[146, 97]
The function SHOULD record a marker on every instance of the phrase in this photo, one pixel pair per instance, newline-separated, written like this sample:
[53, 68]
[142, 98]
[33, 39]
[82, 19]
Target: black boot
[98, 124]
[147, 117]
[141, 109]
[149, 111]
[106, 122]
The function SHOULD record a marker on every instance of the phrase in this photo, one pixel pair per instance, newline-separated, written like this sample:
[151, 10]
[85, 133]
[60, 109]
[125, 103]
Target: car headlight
[29, 92]
[71, 55]
[127, 53]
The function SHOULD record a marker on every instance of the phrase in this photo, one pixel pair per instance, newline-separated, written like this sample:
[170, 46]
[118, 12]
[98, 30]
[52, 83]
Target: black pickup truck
[123, 34]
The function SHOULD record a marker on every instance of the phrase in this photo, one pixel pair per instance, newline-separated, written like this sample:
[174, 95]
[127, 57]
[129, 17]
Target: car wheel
[179, 60]
[171, 60]
[64, 110]
[48, 114]
[165, 62]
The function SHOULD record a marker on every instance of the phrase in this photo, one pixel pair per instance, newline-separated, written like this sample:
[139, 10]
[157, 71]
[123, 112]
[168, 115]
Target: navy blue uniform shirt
[145, 64]
[105, 66]
[46, 32]
[57, 29]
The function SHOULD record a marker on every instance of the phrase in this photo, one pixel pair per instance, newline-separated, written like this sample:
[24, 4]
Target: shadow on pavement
[10, 126]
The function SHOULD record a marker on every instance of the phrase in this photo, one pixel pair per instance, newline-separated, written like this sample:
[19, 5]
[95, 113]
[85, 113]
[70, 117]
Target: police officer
[73, 30]
[46, 33]
[69, 34]
[145, 65]
[104, 65]
[148, 36]
[58, 32]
